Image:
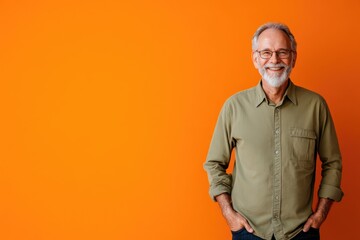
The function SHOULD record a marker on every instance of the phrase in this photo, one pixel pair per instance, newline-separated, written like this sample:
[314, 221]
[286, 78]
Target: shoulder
[242, 97]
[306, 95]
[239, 102]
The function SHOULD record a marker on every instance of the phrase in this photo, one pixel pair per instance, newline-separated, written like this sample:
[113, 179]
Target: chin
[275, 81]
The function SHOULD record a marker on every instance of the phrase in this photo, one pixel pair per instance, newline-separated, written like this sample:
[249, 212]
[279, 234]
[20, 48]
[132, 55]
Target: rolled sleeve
[330, 156]
[331, 192]
[219, 154]
[223, 187]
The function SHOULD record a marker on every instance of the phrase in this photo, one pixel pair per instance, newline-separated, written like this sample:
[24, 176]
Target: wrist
[228, 211]
[323, 207]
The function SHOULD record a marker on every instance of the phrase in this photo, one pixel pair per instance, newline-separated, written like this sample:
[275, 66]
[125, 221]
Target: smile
[274, 68]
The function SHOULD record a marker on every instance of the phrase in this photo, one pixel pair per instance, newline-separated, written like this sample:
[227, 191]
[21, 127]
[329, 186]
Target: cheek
[288, 62]
[261, 63]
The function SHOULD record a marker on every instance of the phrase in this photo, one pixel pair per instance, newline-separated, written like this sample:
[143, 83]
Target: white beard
[276, 79]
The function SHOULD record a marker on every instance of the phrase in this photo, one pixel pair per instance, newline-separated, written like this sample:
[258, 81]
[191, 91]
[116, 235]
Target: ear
[255, 59]
[294, 59]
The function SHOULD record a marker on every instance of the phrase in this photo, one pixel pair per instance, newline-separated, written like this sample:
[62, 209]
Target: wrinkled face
[276, 69]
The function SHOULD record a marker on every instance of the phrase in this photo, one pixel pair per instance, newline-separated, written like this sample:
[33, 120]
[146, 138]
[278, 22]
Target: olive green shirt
[276, 147]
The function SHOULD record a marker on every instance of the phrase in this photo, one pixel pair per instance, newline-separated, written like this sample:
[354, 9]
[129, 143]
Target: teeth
[275, 68]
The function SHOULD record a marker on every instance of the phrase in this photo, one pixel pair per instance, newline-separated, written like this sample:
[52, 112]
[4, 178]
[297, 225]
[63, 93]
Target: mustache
[272, 65]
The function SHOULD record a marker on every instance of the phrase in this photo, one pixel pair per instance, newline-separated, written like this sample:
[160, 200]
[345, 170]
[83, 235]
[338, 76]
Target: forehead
[273, 39]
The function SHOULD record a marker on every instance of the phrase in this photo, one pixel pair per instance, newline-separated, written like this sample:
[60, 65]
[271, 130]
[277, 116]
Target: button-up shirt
[276, 148]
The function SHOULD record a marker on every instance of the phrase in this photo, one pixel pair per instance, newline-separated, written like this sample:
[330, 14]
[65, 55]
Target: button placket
[277, 174]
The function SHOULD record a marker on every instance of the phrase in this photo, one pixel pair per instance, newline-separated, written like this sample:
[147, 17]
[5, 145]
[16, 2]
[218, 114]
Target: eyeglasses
[282, 53]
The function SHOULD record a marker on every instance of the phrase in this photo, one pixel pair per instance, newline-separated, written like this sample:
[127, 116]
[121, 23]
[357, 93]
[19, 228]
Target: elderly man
[277, 130]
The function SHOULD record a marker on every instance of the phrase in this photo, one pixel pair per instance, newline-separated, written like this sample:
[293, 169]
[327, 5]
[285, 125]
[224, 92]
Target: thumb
[248, 227]
[307, 225]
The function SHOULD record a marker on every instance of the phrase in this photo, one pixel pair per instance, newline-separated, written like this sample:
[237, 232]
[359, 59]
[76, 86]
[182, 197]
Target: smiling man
[277, 130]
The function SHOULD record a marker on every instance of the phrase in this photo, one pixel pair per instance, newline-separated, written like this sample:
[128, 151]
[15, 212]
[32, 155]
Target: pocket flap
[304, 133]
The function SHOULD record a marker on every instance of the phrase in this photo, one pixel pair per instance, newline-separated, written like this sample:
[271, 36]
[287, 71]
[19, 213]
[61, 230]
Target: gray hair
[279, 26]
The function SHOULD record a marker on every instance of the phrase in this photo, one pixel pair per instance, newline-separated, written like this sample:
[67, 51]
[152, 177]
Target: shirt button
[277, 152]
[277, 197]
[277, 131]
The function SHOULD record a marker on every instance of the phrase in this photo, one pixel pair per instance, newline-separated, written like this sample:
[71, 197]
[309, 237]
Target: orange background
[108, 108]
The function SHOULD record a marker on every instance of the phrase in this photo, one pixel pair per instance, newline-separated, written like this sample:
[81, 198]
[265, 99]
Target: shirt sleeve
[330, 156]
[219, 154]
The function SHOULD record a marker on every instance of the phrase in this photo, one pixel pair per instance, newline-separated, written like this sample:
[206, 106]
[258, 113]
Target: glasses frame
[276, 52]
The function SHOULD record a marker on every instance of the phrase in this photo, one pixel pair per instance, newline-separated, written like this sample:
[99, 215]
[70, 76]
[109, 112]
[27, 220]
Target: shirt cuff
[328, 191]
[215, 191]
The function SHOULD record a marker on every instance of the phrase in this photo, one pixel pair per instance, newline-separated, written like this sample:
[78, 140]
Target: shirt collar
[260, 95]
[290, 93]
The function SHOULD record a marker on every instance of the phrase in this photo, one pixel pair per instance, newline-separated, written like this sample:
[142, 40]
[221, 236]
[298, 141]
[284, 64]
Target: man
[277, 130]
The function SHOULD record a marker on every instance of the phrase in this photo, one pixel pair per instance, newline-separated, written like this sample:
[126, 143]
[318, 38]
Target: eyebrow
[268, 49]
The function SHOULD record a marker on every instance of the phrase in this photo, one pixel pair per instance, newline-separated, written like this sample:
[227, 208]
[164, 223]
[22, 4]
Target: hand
[316, 219]
[233, 218]
[237, 222]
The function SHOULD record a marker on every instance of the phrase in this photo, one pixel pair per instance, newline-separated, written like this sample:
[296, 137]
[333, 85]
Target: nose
[274, 58]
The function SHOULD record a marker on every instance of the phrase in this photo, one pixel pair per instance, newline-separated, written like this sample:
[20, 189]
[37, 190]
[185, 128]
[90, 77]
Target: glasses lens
[283, 53]
[265, 54]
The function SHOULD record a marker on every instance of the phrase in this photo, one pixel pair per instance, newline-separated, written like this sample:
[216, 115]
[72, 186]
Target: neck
[274, 94]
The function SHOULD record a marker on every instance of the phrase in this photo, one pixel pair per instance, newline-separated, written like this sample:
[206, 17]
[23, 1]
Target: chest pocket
[303, 147]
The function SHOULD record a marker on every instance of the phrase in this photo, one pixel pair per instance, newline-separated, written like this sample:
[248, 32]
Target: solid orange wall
[108, 108]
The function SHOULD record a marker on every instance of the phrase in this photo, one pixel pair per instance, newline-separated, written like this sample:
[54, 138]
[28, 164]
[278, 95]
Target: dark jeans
[312, 234]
